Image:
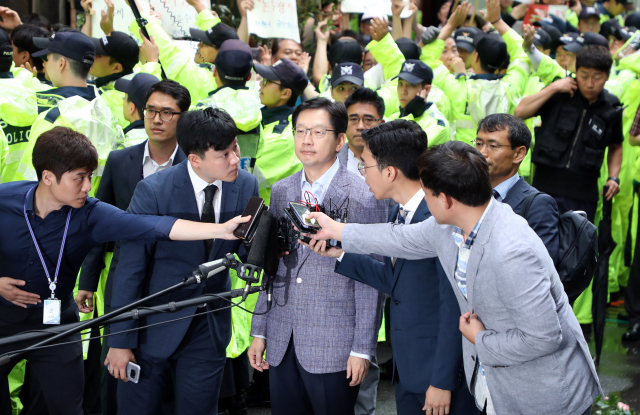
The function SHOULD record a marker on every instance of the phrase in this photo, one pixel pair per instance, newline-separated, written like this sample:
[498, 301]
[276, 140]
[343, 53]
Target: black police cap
[71, 45]
[347, 72]
[288, 73]
[120, 46]
[137, 87]
[345, 50]
[215, 35]
[234, 60]
[415, 71]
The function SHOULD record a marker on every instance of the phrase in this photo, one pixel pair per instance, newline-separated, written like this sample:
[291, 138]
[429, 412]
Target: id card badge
[51, 313]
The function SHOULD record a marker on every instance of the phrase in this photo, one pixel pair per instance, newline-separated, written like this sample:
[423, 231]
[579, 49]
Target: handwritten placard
[274, 18]
[176, 16]
[372, 7]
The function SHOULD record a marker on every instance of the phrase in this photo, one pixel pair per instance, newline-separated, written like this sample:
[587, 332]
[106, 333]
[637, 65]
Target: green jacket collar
[105, 80]
[270, 115]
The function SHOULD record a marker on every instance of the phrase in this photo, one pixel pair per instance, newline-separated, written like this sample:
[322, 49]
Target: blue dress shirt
[93, 223]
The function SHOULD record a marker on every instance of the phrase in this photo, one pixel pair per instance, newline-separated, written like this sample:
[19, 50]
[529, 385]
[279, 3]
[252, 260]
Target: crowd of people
[456, 150]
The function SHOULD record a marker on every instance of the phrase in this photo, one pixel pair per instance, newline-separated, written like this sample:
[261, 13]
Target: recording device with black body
[297, 214]
[255, 207]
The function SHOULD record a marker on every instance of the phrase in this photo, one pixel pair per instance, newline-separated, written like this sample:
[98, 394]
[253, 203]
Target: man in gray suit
[523, 350]
[321, 332]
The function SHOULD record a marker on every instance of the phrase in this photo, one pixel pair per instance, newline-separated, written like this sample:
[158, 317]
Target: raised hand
[379, 28]
[106, 21]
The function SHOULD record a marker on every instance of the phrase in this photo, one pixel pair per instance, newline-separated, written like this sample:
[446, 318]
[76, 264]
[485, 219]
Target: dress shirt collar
[325, 179]
[504, 187]
[147, 155]
[458, 233]
[198, 183]
[412, 205]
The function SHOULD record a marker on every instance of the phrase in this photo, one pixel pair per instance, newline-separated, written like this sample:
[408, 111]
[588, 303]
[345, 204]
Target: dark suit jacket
[122, 173]
[543, 215]
[426, 341]
[147, 269]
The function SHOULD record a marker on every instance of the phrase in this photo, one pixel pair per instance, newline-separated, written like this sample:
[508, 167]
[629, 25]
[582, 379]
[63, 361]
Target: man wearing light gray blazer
[322, 330]
[523, 350]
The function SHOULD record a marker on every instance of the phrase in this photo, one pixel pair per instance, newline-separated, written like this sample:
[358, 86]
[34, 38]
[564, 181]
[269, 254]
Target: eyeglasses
[298, 52]
[363, 169]
[479, 144]
[367, 121]
[165, 115]
[266, 81]
[316, 132]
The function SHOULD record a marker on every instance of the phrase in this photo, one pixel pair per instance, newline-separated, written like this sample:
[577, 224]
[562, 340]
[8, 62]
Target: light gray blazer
[535, 357]
[328, 314]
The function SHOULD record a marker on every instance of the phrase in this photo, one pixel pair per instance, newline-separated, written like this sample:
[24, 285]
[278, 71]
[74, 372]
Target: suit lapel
[184, 192]
[228, 206]
[517, 194]
[134, 167]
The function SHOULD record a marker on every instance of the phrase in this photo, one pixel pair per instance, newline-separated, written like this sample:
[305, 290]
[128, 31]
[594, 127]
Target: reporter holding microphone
[523, 349]
[49, 227]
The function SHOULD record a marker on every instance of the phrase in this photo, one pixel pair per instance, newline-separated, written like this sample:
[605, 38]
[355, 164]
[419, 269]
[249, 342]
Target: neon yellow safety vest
[178, 65]
[244, 107]
[91, 118]
[432, 121]
[18, 111]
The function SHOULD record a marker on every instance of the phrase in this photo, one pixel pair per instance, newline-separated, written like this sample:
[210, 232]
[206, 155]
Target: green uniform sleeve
[549, 70]
[518, 72]
[206, 20]
[115, 100]
[572, 18]
[25, 169]
[152, 68]
[388, 55]
[430, 53]
[178, 65]
[389, 94]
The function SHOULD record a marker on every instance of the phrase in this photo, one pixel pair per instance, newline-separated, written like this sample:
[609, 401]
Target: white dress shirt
[149, 166]
[352, 163]
[198, 188]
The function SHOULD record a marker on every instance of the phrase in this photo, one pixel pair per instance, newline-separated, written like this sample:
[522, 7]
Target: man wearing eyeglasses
[504, 141]
[322, 331]
[165, 101]
[365, 109]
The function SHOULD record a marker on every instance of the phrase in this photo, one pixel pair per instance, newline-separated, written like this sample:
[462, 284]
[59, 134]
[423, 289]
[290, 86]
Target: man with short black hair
[56, 209]
[580, 120]
[504, 140]
[318, 351]
[521, 338]
[123, 170]
[23, 48]
[69, 58]
[365, 109]
[207, 187]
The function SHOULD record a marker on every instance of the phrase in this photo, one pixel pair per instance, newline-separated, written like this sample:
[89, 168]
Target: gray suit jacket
[535, 357]
[329, 315]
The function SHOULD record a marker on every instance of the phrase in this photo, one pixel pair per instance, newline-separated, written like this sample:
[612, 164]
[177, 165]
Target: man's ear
[286, 93]
[194, 159]
[342, 138]
[48, 177]
[118, 68]
[520, 154]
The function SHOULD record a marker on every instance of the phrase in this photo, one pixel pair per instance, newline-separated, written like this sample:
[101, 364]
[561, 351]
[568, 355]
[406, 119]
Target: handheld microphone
[250, 271]
[209, 269]
[271, 261]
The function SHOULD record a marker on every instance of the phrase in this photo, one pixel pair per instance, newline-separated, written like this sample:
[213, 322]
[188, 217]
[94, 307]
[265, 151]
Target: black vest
[575, 134]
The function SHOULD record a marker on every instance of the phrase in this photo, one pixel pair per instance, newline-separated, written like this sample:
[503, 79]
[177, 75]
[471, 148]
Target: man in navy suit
[426, 342]
[122, 172]
[504, 141]
[207, 187]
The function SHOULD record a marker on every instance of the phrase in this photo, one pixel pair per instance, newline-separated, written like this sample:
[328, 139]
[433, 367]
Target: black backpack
[578, 251]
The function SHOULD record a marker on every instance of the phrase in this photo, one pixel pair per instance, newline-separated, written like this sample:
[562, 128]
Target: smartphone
[301, 211]
[133, 371]
[254, 208]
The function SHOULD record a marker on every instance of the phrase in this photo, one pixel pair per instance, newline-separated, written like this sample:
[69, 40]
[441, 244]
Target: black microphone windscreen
[260, 240]
[271, 260]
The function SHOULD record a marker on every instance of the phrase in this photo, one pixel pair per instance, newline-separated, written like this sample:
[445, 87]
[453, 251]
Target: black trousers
[294, 391]
[60, 369]
[566, 204]
[196, 367]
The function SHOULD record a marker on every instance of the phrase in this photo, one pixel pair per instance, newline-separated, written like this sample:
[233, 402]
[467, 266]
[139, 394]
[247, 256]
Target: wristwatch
[615, 179]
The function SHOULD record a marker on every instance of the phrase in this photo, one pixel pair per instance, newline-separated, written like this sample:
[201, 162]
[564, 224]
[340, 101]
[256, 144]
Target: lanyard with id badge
[51, 309]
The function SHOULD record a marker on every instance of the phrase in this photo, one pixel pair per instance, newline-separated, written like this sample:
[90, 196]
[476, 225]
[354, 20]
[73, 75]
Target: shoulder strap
[52, 115]
[526, 205]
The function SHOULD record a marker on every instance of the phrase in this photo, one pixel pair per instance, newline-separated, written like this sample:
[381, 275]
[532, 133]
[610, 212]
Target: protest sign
[538, 12]
[274, 19]
[372, 7]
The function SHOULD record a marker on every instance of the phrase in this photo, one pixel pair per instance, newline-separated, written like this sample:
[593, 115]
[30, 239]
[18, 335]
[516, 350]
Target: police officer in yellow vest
[135, 92]
[281, 86]
[116, 55]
